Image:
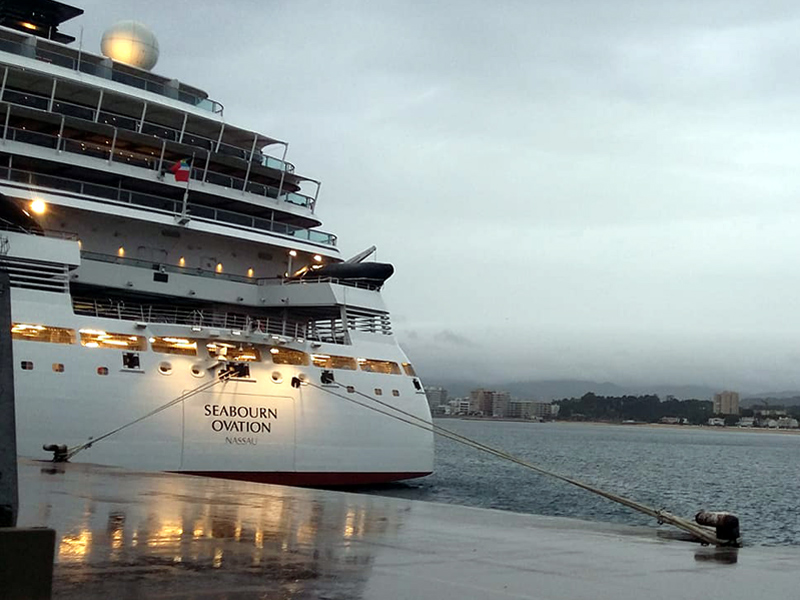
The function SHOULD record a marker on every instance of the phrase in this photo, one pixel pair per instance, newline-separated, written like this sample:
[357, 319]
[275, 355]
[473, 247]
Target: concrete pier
[126, 535]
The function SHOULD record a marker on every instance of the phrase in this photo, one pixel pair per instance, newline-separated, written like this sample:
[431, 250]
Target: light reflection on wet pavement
[126, 535]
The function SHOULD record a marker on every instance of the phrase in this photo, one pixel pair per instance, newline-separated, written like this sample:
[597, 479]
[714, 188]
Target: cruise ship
[170, 283]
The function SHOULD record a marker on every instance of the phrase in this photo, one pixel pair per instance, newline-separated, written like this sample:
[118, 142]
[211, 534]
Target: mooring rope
[660, 515]
[223, 377]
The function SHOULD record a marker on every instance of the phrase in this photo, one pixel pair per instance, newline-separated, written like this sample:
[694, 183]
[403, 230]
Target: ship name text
[241, 419]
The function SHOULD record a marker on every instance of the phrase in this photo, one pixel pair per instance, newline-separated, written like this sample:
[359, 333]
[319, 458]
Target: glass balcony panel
[73, 110]
[26, 99]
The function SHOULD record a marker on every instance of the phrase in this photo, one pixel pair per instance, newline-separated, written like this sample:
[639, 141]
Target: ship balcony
[56, 54]
[155, 161]
[95, 114]
[34, 181]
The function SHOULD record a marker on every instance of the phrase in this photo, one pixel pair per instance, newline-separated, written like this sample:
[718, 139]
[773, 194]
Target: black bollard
[725, 523]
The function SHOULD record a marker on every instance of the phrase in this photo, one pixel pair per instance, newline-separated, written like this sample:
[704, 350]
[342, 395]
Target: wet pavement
[124, 535]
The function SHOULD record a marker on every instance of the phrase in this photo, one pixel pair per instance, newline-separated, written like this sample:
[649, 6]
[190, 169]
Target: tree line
[648, 408]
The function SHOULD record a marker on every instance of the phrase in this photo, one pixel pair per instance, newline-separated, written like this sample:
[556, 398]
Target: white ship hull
[256, 429]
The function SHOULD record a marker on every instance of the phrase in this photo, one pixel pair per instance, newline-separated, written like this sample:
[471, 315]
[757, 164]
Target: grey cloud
[586, 189]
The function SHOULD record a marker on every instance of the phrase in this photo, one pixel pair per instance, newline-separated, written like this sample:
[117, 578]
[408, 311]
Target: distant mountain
[556, 389]
[771, 398]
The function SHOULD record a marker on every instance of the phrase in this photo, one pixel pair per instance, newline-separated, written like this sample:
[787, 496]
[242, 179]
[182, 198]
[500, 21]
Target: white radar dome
[132, 43]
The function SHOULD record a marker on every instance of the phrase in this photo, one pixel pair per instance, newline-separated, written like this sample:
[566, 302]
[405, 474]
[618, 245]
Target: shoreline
[608, 423]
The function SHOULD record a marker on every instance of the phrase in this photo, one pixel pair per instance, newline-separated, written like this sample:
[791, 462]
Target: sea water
[753, 474]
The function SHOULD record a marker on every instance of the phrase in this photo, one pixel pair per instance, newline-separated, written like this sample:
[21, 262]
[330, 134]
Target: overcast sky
[567, 189]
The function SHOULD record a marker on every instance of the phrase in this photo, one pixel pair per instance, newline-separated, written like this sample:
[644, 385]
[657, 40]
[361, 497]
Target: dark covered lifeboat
[371, 274]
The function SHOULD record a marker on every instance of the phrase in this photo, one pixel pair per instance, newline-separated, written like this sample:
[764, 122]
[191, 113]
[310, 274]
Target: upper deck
[80, 61]
[70, 115]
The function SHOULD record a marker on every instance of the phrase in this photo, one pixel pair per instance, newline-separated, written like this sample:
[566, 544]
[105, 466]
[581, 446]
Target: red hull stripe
[308, 479]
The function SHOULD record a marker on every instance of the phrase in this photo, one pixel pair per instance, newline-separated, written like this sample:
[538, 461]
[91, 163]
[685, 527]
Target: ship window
[92, 338]
[395, 392]
[379, 366]
[26, 365]
[130, 360]
[277, 377]
[198, 371]
[326, 361]
[165, 368]
[409, 369]
[351, 389]
[58, 367]
[42, 333]
[287, 356]
[233, 352]
[102, 370]
[174, 345]
[378, 392]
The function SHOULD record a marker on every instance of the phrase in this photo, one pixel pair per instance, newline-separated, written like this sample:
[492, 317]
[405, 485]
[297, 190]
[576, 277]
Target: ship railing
[125, 310]
[70, 109]
[351, 282]
[151, 162]
[152, 202]
[93, 65]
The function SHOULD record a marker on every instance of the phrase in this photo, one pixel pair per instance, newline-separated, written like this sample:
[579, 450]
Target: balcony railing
[197, 317]
[150, 161]
[94, 65]
[69, 109]
[160, 204]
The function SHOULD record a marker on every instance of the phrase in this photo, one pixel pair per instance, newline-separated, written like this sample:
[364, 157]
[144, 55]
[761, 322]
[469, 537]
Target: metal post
[249, 163]
[99, 104]
[52, 96]
[161, 158]
[113, 145]
[5, 127]
[283, 170]
[141, 121]
[183, 127]
[205, 170]
[219, 139]
[60, 134]
[9, 498]
[3, 86]
[316, 195]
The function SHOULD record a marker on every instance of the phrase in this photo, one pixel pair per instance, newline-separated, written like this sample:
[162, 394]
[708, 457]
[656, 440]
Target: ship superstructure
[152, 245]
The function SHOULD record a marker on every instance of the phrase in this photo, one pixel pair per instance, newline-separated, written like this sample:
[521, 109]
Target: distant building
[520, 409]
[716, 422]
[437, 396]
[545, 410]
[747, 422]
[726, 403]
[489, 403]
[787, 423]
[459, 406]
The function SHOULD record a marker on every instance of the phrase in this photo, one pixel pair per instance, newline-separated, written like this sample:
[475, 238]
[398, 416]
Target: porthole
[302, 377]
[378, 392]
[395, 392]
[165, 368]
[277, 377]
[198, 371]
[26, 365]
[58, 368]
[102, 370]
[350, 389]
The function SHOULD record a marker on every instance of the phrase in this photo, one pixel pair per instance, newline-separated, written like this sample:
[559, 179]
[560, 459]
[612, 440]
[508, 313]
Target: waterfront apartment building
[726, 403]
[520, 409]
[459, 406]
[437, 396]
[490, 403]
